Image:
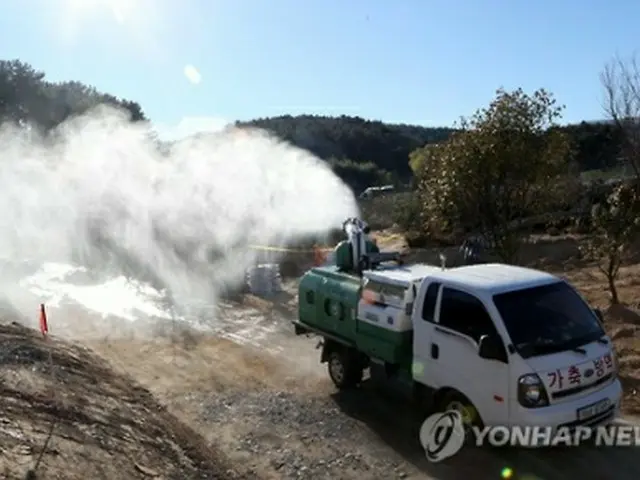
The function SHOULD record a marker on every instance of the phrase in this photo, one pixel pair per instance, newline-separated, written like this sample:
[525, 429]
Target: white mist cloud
[192, 74]
[189, 126]
[100, 195]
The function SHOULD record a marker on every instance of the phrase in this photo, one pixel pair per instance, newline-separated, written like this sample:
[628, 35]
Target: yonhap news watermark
[442, 435]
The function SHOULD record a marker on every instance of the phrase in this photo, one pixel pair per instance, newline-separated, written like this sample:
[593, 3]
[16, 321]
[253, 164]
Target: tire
[471, 417]
[344, 369]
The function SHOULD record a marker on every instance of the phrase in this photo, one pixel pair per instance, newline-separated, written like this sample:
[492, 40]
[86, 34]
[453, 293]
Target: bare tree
[616, 221]
[621, 81]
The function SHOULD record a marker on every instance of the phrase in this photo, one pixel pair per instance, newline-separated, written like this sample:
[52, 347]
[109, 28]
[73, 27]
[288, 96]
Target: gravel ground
[302, 438]
[366, 434]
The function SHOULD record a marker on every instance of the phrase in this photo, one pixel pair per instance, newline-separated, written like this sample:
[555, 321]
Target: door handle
[435, 351]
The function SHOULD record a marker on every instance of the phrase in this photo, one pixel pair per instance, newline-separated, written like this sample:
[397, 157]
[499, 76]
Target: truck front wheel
[344, 369]
[470, 416]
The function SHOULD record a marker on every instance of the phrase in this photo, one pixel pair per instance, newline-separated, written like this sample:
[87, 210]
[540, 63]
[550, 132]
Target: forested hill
[363, 152]
[26, 96]
[367, 152]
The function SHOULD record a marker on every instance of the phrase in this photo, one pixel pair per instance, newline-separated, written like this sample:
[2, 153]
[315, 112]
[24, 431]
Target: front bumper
[564, 415]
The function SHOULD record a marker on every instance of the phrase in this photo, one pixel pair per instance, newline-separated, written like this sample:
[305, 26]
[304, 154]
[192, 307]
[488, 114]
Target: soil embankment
[64, 413]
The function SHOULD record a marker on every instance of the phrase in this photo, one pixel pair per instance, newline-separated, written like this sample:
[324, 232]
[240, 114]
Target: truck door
[424, 311]
[461, 320]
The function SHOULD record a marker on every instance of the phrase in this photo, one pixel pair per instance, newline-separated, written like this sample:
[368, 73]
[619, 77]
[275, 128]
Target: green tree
[615, 227]
[27, 97]
[501, 166]
[21, 91]
[616, 220]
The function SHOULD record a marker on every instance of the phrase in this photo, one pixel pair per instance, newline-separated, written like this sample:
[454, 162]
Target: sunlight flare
[192, 74]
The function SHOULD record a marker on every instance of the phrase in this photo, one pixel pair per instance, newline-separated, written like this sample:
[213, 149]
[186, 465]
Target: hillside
[26, 96]
[369, 152]
[104, 424]
[363, 152]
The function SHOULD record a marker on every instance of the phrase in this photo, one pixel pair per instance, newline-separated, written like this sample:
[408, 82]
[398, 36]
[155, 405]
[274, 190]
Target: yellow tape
[287, 250]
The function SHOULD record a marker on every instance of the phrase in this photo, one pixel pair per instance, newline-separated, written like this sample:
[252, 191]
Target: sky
[196, 64]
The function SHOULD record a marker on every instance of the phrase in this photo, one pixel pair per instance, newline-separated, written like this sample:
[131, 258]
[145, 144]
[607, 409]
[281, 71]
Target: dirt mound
[95, 423]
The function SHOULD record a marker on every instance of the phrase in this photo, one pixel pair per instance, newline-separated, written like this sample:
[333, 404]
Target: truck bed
[306, 329]
[368, 340]
[328, 306]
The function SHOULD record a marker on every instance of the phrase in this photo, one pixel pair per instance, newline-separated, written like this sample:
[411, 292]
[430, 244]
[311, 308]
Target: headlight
[531, 391]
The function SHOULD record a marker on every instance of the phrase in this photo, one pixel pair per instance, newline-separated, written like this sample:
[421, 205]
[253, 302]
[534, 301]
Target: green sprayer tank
[328, 300]
[329, 295]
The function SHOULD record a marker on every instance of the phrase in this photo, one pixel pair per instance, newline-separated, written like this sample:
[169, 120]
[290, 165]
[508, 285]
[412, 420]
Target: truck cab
[508, 345]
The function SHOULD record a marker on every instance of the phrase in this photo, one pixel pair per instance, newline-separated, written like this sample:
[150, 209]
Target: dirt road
[259, 394]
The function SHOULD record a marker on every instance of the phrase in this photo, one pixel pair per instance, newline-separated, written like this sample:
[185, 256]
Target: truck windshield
[547, 319]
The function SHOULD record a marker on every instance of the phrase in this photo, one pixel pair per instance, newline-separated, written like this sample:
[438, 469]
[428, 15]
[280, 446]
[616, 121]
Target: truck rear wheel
[344, 369]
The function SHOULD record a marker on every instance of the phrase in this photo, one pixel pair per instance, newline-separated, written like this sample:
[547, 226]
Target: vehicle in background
[372, 192]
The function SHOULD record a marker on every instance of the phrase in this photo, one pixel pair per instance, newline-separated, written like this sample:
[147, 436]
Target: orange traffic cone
[44, 328]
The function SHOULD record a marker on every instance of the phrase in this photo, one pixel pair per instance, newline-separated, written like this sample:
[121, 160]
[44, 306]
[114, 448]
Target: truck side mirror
[491, 348]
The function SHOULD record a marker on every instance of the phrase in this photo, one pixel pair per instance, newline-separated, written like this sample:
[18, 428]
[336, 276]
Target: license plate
[594, 409]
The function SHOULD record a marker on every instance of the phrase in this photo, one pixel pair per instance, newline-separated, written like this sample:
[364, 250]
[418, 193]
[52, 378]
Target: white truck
[502, 344]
